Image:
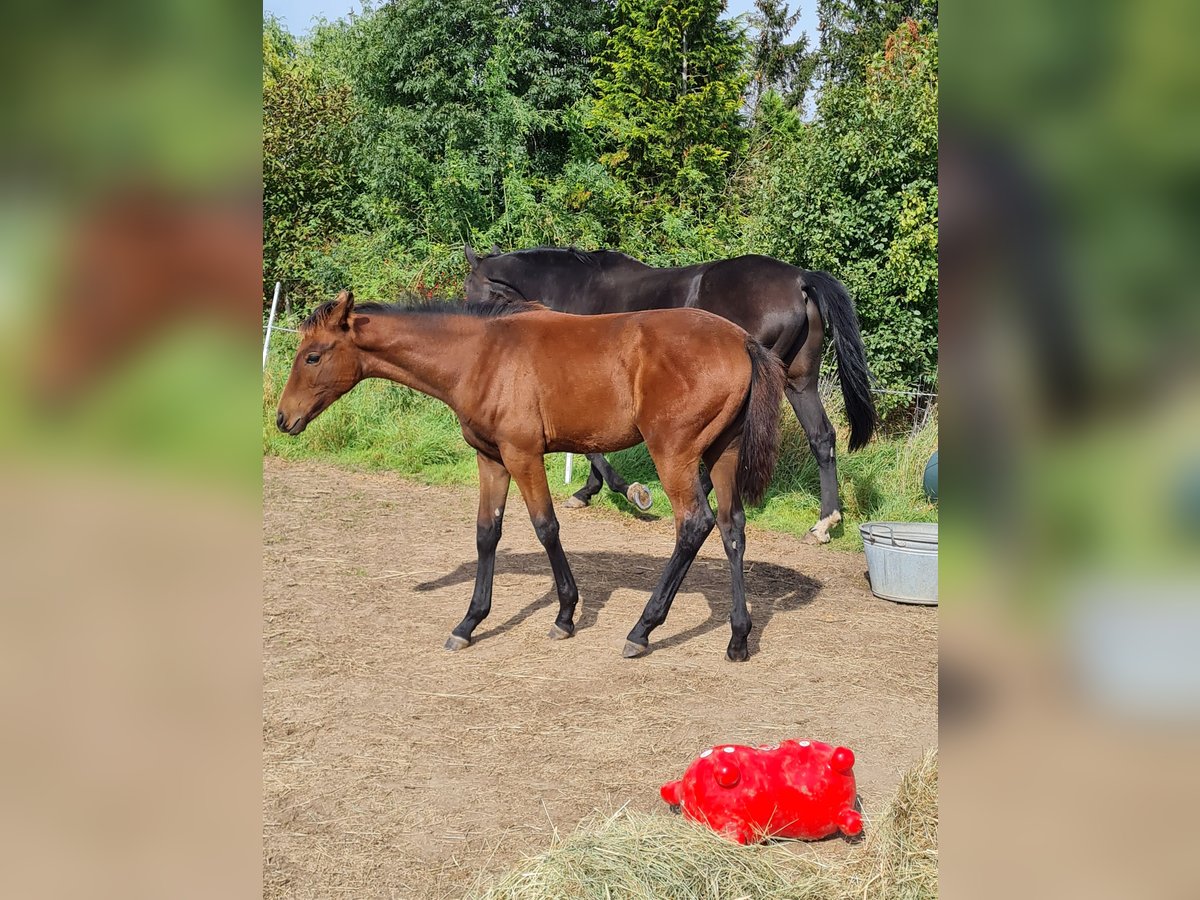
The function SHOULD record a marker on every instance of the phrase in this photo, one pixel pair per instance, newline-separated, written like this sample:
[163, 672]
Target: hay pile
[633, 855]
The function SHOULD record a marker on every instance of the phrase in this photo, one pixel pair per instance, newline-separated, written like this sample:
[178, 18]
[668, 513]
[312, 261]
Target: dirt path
[393, 768]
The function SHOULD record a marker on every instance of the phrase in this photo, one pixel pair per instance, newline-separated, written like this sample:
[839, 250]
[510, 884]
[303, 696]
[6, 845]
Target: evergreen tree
[777, 64]
[669, 93]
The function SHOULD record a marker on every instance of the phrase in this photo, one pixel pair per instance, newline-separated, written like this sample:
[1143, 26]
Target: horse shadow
[770, 589]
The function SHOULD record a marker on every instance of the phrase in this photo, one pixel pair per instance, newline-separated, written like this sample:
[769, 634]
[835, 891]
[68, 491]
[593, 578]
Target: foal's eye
[313, 358]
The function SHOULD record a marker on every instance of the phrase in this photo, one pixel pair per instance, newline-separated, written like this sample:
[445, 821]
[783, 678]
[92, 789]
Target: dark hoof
[639, 495]
[574, 502]
[559, 634]
[633, 649]
[737, 655]
[454, 642]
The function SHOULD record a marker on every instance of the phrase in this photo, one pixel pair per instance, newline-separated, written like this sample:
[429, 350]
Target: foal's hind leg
[731, 521]
[603, 473]
[693, 522]
[802, 394]
[493, 493]
[530, 472]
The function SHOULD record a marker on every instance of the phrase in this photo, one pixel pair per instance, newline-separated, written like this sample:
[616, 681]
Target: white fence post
[570, 463]
[270, 325]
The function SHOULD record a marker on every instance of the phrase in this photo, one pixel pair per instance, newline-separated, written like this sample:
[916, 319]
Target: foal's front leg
[493, 493]
[530, 472]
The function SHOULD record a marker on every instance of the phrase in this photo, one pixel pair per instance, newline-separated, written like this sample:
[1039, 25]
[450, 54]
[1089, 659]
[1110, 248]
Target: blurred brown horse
[141, 261]
[525, 381]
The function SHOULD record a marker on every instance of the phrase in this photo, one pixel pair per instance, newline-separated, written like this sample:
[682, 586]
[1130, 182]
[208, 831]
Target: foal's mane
[489, 309]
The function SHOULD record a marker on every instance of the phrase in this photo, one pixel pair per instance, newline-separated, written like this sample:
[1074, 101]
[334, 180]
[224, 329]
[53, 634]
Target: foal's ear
[472, 257]
[345, 306]
[495, 251]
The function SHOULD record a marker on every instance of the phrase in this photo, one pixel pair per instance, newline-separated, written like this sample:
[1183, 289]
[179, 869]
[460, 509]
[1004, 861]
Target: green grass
[177, 407]
[382, 426]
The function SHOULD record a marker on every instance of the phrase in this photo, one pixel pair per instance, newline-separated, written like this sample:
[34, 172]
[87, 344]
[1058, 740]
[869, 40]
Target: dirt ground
[393, 768]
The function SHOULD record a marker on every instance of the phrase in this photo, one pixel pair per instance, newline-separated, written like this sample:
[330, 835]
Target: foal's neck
[424, 351]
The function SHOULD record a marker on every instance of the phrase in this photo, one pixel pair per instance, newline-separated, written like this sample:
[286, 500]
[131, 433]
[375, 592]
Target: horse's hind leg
[591, 487]
[493, 493]
[530, 472]
[802, 394]
[731, 521]
[693, 522]
[602, 472]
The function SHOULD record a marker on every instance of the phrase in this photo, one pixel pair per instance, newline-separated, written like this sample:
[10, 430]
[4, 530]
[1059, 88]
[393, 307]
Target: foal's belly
[594, 438]
[589, 416]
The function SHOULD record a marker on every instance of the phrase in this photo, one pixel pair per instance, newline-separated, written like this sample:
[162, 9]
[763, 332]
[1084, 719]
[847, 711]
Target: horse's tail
[760, 427]
[837, 309]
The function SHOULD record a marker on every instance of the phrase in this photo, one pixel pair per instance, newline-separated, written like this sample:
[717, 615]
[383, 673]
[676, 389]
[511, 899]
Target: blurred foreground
[131, 617]
[1070, 677]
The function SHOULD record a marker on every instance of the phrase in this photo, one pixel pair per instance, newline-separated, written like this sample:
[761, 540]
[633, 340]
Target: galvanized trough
[902, 560]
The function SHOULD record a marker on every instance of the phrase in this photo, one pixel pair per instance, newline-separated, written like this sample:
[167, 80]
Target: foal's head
[326, 366]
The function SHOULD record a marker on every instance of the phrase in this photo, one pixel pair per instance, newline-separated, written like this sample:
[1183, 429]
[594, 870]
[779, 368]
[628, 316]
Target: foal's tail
[760, 428]
[837, 309]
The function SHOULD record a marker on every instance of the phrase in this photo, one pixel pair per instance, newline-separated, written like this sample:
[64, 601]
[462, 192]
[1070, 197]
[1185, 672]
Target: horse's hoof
[559, 634]
[815, 537]
[633, 649]
[454, 642]
[639, 495]
[738, 655]
[574, 502]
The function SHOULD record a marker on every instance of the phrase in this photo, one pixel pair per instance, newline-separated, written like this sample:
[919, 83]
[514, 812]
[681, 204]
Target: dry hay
[634, 855]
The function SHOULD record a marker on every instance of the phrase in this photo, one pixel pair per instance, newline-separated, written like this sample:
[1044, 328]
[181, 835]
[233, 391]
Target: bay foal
[525, 381]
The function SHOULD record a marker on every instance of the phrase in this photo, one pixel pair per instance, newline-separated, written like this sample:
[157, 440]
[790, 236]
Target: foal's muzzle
[282, 424]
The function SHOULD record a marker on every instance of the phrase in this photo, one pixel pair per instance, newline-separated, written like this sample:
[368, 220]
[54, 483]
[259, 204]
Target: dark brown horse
[525, 381]
[785, 308]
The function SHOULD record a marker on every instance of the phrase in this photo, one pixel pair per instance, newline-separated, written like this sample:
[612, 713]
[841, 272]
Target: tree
[669, 91]
[855, 194]
[309, 181]
[460, 96]
[776, 64]
[853, 30]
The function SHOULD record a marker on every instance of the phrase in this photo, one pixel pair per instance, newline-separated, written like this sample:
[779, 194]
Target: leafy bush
[855, 194]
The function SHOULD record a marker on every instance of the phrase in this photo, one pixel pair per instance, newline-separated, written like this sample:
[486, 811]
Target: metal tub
[902, 560]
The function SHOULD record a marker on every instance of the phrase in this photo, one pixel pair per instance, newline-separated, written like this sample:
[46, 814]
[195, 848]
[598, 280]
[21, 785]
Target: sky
[298, 14]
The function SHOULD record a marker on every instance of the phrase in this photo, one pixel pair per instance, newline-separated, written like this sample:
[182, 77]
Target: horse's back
[585, 340]
[763, 295]
[626, 363]
[666, 351]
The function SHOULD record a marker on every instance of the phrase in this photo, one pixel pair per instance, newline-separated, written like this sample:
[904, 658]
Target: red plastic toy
[798, 789]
